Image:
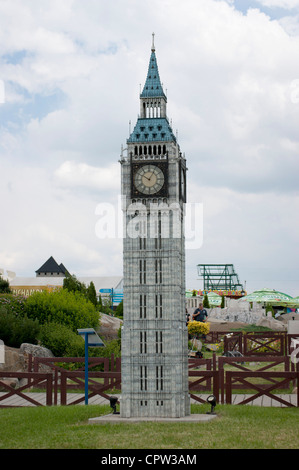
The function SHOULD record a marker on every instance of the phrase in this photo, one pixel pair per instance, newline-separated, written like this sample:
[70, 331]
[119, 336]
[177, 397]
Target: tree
[72, 284]
[206, 301]
[119, 311]
[4, 286]
[91, 294]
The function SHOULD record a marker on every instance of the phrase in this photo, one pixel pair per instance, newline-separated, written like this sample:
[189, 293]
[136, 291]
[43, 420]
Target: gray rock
[14, 360]
[35, 350]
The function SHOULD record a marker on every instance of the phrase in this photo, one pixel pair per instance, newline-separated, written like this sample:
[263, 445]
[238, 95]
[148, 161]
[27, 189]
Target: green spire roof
[152, 130]
[153, 87]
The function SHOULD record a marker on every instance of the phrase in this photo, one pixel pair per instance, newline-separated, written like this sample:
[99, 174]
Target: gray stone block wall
[154, 335]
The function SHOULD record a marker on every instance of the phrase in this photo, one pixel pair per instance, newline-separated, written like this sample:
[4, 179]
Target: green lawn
[236, 427]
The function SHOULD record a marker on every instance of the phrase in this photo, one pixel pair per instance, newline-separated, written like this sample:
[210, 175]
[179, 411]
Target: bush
[4, 286]
[66, 308]
[111, 347]
[15, 330]
[13, 303]
[61, 340]
[196, 328]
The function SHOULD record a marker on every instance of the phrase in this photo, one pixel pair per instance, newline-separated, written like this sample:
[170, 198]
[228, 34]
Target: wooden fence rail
[201, 376]
[273, 377]
[245, 364]
[215, 375]
[263, 343]
[94, 386]
[31, 380]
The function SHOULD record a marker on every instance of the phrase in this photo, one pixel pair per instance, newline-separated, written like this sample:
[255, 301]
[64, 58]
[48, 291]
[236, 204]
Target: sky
[70, 78]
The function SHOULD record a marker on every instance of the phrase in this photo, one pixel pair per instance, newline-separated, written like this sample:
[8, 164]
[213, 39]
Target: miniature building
[51, 269]
[154, 335]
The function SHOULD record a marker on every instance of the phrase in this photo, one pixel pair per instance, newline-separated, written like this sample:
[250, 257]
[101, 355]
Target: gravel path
[225, 326]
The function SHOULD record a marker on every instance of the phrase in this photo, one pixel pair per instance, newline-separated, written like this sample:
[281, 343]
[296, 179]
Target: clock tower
[154, 334]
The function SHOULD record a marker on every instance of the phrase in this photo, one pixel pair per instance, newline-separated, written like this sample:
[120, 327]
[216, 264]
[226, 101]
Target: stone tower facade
[154, 335]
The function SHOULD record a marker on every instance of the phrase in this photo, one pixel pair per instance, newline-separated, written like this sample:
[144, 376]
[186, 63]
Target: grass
[236, 427]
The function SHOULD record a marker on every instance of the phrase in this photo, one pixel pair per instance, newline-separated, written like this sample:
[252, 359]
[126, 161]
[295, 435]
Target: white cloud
[72, 174]
[288, 4]
[73, 88]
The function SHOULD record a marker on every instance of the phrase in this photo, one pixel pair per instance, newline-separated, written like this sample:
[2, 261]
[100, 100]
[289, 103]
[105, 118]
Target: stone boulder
[14, 360]
[109, 326]
[36, 351]
[271, 323]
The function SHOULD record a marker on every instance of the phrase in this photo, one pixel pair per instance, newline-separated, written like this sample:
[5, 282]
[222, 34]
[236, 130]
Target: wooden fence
[65, 379]
[63, 375]
[32, 379]
[259, 344]
[276, 379]
[261, 365]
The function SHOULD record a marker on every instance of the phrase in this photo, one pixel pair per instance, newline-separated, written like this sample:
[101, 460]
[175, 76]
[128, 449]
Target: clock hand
[149, 177]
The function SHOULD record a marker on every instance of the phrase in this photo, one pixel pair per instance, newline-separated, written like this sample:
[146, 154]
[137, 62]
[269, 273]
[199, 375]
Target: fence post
[214, 367]
[56, 377]
[49, 390]
[63, 388]
[216, 384]
[228, 388]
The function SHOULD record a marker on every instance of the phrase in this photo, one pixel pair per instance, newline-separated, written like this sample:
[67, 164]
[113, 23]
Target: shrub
[196, 328]
[13, 303]
[66, 308]
[4, 286]
[15, 330]
[61, 340]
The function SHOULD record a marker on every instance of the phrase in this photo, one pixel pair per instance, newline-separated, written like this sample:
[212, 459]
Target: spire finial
[153, 43]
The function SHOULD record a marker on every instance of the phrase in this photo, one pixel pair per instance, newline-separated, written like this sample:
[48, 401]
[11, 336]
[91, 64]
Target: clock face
[149, 179]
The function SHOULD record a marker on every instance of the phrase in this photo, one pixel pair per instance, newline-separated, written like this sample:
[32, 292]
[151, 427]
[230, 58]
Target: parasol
[214, 299]
[268, 295]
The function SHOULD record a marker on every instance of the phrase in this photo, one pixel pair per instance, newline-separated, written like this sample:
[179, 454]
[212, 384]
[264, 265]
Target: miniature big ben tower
[154, 335]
